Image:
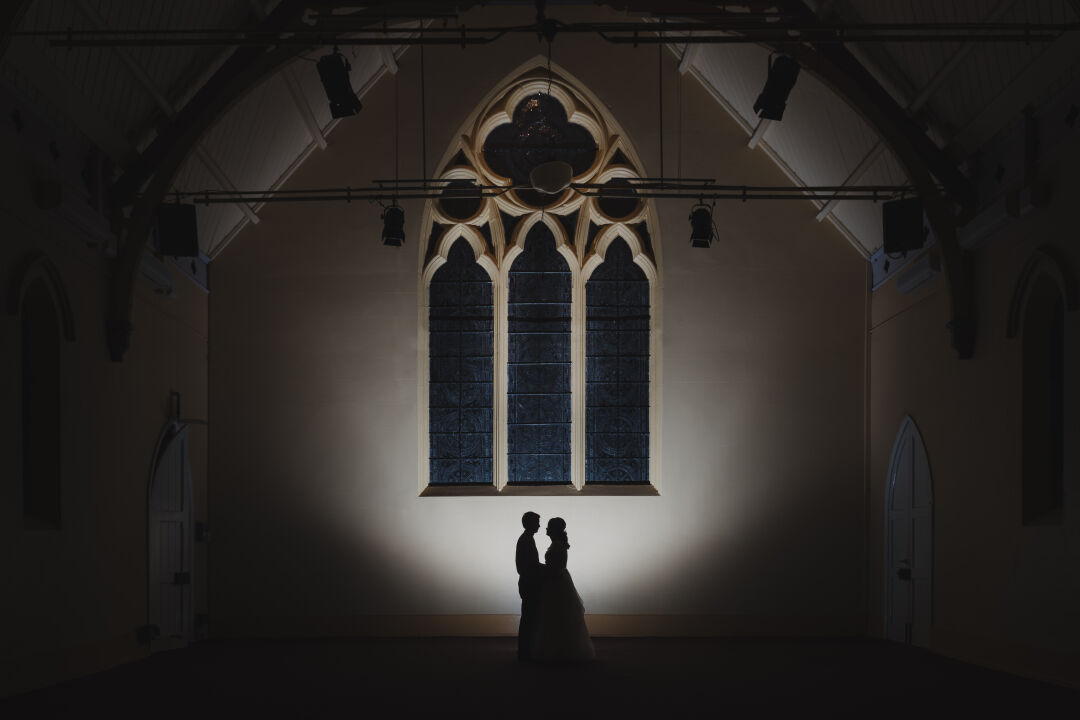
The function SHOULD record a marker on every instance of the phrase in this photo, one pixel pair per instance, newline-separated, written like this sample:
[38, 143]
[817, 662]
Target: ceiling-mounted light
[393, 229]
[334, 73]
[783, 71]
[701, 226]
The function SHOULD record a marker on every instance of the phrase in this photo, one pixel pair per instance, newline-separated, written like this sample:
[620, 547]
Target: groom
[529, 582]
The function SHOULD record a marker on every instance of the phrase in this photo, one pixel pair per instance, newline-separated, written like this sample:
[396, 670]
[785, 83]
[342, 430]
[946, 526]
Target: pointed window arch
[460, 390]
[38, 298]
[617, 370]
[558, 422]
[1043, 293]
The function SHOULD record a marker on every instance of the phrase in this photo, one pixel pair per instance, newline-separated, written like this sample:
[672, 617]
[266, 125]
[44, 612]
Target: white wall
[318, 527]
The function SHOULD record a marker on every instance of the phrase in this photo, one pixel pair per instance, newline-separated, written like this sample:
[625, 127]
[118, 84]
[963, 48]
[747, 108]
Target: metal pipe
[734, 192]
[638, 33]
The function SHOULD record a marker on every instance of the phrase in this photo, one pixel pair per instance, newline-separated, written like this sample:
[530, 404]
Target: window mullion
[502, 324]
[577, 379]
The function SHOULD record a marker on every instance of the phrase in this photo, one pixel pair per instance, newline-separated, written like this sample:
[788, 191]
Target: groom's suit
[529, 584]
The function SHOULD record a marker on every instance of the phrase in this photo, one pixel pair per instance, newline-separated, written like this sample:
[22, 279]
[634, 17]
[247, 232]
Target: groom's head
[530, 521]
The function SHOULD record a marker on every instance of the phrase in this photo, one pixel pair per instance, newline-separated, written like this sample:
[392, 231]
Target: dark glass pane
[460, 199]
[617, 371]
[620, 201]
[460, 396]
[538, 371]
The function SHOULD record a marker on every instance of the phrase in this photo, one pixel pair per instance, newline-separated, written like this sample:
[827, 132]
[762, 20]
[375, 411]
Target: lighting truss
[342, 30]
[640, 188]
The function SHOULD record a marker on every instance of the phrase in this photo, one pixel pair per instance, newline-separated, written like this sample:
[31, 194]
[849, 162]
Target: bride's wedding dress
[560, 632]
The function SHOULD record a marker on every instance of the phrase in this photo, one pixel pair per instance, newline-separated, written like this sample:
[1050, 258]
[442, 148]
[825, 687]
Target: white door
[909, 532]
[170, 537]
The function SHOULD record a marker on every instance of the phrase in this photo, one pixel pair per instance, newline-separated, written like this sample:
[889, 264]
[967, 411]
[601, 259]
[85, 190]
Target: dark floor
[480, 678]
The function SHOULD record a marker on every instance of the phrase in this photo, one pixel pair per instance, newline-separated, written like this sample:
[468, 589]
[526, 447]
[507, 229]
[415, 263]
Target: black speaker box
[902, 225]
[177, 234]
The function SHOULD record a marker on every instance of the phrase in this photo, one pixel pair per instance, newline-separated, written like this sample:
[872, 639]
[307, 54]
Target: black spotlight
[393, 227]
[783, 71]
[334, 73]
[701, 226]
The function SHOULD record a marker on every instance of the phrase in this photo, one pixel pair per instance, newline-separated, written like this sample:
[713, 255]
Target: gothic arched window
[1037, 315]
[554, 349]
[37, 297]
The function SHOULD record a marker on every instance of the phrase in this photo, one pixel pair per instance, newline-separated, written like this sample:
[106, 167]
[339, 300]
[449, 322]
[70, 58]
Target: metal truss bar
[704, 192]
[734, 31]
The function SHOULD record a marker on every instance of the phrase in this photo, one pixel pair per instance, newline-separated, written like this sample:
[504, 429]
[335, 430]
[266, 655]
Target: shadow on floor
[480, 678]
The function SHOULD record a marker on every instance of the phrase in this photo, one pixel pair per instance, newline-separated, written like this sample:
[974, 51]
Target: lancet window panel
[461, 371]
[617, 371]
[539, 364]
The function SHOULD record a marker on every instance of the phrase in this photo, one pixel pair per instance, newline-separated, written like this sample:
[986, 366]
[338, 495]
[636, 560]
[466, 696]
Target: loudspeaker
[177, 232]
[902, 225]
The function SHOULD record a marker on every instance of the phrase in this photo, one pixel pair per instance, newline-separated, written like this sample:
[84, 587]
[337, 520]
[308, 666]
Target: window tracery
[573, 282]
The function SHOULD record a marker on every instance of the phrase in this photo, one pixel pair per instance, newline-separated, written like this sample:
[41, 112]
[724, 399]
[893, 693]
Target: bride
[560, 633]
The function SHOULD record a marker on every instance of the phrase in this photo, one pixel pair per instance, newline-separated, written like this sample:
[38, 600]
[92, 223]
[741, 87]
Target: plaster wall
[318, 528]
[1004, 594]
[73, 596]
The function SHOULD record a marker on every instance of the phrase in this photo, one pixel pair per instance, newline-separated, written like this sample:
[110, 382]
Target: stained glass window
[539, 376]
[460, 396]
[538, 368]
[617, 371]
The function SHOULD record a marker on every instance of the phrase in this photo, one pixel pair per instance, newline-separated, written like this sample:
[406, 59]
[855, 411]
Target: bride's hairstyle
[556, 529]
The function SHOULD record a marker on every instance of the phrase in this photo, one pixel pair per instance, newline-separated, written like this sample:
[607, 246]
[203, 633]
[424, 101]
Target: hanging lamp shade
[551, 177]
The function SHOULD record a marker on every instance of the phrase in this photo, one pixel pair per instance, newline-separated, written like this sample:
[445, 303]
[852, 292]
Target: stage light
[701, 226]
[334, 73]
[393, 231]
[783, 71]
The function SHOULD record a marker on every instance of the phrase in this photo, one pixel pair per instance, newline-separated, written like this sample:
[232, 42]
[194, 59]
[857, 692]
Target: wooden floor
[480, 678]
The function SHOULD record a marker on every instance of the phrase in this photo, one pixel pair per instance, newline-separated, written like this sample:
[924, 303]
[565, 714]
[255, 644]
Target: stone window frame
[583, 247]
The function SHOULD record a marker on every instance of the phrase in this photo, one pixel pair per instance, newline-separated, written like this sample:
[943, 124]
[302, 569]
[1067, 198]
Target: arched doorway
[909, 534]
[170, 599]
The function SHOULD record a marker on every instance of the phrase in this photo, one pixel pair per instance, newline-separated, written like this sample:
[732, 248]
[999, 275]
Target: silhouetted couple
[552, 615]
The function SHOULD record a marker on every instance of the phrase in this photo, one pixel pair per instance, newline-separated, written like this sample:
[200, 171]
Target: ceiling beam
[157, 166]
[839, 69]
[924, 163]
[914, 106]
[211, 100]
[165, 106]
[296, 92]
[389, 61]
[759, 132]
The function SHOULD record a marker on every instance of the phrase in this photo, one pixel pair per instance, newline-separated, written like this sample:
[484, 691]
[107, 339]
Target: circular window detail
[539, 133]
[619, 202]
[461, 199]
